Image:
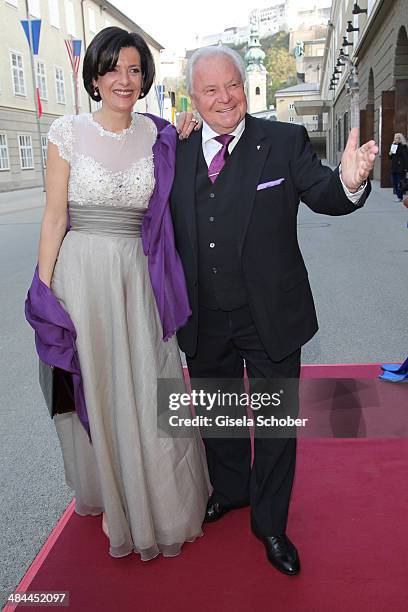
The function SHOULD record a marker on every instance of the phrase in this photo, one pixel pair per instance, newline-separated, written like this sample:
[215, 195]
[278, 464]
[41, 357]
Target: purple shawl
[165, 268]
[55, 333]
[55, 338]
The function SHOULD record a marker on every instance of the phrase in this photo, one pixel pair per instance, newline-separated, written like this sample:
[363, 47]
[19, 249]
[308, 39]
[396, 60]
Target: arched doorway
[401, 83]
[367, 113]
[394, 105]
[370, 107]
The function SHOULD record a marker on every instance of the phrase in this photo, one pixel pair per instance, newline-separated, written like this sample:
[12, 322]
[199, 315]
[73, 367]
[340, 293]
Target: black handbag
[58, 389]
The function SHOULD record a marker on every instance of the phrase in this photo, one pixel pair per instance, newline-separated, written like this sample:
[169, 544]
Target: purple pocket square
[270, 184]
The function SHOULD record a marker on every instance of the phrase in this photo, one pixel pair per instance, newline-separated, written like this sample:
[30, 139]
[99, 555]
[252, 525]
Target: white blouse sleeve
[61, 134]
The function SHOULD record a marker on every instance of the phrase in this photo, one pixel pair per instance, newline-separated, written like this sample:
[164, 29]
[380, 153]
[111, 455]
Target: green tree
[281, 67]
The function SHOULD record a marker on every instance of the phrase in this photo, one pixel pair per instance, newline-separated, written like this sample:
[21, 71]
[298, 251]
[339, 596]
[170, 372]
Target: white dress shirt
[211, 148]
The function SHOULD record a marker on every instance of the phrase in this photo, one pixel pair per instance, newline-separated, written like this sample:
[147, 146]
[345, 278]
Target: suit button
[215, 270]
[212, 245]
[212, 219]
[212, 195]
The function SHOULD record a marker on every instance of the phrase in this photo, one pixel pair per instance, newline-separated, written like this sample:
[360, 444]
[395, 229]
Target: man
[234, 202]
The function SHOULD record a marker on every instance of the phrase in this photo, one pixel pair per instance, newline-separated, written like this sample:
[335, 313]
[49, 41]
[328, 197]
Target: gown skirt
[153, 490]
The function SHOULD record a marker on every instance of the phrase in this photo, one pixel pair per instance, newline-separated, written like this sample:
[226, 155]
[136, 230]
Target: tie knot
[224, 139]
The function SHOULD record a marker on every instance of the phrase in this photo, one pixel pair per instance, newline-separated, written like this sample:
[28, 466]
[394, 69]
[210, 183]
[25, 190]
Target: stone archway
[401, 83]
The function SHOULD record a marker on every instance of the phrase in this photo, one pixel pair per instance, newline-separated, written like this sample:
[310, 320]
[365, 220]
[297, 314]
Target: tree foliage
[281, 67]
[280, 64]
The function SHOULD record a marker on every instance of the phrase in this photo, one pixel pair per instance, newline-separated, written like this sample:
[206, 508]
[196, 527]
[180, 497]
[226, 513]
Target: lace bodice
[106, 168]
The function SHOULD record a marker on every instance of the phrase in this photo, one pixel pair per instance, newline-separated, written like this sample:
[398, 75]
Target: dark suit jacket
[272, 265]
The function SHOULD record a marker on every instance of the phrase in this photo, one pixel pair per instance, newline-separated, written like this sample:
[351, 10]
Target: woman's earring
[96, 91]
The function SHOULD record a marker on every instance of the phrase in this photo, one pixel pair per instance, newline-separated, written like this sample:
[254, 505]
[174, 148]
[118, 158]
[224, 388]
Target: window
[345, 129]
[257, 91]
[53, 10]
[291, 119]
[4, 157]
[17, 70]
[339, 135]
[26, 152]
[44, 144]
[292, 105]
[41, 80]
[34, 7]
[91, 19]
[70, 17]
[60, 85]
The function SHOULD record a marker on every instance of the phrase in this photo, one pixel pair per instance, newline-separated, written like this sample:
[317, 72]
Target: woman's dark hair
[103, 53]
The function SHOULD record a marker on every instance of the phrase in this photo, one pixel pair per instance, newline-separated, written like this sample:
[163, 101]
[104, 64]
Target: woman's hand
[186, 123]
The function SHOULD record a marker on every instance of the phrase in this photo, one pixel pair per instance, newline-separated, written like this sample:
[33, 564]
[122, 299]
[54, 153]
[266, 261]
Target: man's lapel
[252, 151]
[187, 160]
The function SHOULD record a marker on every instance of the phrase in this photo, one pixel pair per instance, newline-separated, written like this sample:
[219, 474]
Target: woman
[153, 491]
[399, 163]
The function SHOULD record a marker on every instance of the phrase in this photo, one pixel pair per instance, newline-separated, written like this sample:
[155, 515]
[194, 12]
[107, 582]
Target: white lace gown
[153, 489]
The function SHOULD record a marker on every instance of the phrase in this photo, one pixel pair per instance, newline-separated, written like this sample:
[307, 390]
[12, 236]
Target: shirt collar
[208, 133]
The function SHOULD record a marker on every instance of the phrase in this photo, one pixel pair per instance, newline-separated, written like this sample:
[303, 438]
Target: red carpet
[348, 519]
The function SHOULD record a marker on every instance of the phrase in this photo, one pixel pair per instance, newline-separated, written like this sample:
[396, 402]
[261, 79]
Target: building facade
[22, 151]
[270, 20]
[304, 93]
[365, 77]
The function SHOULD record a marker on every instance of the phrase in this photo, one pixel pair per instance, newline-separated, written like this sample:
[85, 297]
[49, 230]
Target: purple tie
[218, 161]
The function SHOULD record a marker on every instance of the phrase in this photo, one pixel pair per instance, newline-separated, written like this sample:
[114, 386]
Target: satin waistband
[106, 220]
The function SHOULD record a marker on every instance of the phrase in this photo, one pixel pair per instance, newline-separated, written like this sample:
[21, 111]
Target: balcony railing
[312, 127]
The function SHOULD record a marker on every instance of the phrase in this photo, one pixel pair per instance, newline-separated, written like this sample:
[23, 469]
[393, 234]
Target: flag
[35, 33]
[74, 52]
[32, 29]
[39, 104]
[160, 97]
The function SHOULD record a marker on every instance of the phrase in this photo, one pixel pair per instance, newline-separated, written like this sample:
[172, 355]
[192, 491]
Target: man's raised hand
[357, 162]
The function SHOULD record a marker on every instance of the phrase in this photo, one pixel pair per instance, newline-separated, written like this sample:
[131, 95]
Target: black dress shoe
[215, 510]
[281, 553]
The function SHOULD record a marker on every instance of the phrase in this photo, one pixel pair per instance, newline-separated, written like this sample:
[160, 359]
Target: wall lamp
[357, 10]
[350, 28]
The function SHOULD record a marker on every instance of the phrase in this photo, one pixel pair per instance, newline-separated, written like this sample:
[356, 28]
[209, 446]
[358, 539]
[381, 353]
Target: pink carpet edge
[42, 555]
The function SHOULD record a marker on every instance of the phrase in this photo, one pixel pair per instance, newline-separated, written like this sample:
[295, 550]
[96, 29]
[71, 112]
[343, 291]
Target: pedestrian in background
[399, 163]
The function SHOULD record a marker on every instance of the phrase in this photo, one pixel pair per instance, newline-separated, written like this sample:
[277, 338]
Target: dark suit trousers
[225, 340]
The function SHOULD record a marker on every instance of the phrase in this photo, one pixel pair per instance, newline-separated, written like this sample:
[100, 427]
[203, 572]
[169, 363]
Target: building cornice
[371, 26]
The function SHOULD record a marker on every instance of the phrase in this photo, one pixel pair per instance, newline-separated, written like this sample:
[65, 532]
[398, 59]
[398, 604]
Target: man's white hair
[213, 51]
